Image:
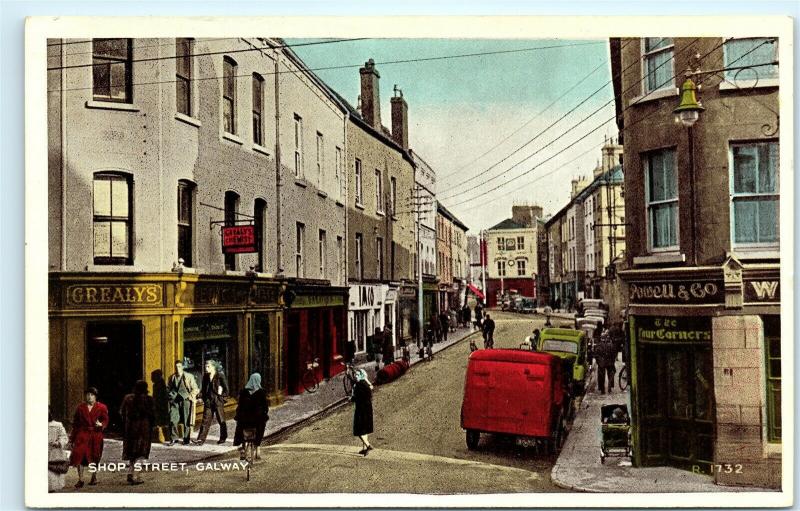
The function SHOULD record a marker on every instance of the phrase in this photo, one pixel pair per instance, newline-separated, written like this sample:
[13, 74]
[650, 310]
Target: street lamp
[689, 110]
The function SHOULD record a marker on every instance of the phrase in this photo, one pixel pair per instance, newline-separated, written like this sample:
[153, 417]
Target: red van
[514, 392]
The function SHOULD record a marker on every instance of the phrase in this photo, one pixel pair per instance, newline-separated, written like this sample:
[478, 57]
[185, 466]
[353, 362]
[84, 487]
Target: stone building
[703, 261]
[424, 208]
[143, 174]
[451, 253]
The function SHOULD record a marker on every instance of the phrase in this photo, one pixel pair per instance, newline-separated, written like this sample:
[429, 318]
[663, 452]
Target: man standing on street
[213, 392]
[606, 355]
[488, 332]
[182, 392]
[444, 325]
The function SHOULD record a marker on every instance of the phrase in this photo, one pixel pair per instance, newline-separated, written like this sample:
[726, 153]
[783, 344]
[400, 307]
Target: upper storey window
[111, 70]
[657, 53]
[756, 53]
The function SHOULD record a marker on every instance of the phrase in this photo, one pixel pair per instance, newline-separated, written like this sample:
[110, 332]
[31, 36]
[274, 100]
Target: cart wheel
[473, 437]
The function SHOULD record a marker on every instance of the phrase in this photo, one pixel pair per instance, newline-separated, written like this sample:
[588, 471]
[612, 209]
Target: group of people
[380, 347]
[138, 421]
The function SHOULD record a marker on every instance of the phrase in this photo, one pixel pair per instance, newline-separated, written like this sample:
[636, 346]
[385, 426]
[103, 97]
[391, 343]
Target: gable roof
[444, 211]
[508, 223]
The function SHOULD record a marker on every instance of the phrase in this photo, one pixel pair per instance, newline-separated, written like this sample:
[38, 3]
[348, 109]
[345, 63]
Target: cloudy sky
[481, 120]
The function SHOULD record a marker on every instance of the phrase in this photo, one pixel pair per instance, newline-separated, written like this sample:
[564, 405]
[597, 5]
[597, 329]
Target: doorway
[114, 363]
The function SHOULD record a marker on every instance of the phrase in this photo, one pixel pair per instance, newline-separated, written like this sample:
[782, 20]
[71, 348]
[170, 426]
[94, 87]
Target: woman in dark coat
[86, 437]
[252, 412]
[362, 418]
[138, 419]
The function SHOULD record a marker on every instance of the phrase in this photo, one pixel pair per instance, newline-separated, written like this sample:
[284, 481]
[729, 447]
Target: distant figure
[535, 339]
[252, 413]
[466, 315]
[387, 345]
[606, 355]
[86, 437]
[182, 393]
[377, 347]
[444, 325]
[57, 459]
[362, 416]
[161, 400]
[488, 333]
[479, 316]
[213, 391]
[350, 351]
[138, 418]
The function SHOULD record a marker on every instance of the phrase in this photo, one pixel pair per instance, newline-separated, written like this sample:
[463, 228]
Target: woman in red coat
[88, 424]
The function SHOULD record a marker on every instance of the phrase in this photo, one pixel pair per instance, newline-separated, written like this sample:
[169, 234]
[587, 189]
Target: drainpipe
[278, 184]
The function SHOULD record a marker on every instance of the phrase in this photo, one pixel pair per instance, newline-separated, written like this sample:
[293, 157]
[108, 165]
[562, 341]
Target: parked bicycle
[310, 382]
[623, 378]
[349, 379]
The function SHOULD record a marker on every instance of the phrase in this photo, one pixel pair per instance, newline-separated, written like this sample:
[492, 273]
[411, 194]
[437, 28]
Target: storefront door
[676, 404]
[114, 354]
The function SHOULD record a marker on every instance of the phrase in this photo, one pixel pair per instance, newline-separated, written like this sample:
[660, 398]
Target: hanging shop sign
[676, 330]
[684, 292]
[239, 239]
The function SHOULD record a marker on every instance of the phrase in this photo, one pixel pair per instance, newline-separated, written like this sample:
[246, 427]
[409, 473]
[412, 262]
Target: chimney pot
[370, 94]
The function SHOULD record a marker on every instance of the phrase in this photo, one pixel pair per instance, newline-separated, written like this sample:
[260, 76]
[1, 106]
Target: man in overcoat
[213, 392]
[182, 391]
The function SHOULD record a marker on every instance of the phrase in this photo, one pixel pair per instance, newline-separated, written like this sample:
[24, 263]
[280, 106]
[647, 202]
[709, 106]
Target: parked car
[598, 321]
[571, 346]
[515, 392]
[527, 306]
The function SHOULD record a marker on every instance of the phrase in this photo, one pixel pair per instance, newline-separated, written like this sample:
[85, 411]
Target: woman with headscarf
[252, 412]
[57, 459]
[362, 417]
[138, 419]
[86, 436]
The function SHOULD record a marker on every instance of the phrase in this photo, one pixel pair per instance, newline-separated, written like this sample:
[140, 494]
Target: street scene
[397, 266]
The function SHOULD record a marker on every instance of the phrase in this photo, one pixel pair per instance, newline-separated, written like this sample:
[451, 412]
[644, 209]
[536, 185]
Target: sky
[461, 107]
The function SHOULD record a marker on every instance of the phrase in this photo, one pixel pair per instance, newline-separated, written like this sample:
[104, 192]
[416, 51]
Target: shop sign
[228, 294]
[239, 239]
[408, 292]
[762, 291]
[391, 295]
[114, 294]
[365, 297]
[207, 328]
[308, 301]
[682, 292]
[672, 329]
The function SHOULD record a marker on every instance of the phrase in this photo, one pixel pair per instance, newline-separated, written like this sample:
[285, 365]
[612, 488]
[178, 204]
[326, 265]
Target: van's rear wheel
[473, 437]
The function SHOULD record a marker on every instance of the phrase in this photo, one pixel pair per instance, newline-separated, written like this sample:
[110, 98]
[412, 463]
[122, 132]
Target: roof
[444, 211]
[508, 223]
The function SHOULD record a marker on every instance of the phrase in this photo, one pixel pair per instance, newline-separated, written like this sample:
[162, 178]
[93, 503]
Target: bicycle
[309, 380]
[623, 378]
[349, 379]
[249, 449]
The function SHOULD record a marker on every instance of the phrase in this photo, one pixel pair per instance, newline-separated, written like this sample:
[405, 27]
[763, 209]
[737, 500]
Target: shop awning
[475, 290]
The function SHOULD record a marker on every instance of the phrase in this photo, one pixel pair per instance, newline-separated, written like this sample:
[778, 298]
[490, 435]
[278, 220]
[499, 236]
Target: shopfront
[367, 311]
[705, 366]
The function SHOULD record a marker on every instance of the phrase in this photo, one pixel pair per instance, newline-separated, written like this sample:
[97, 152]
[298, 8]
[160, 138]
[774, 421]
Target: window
[501, 244]
[259, 212]
[231, 208]
[185, 217]
[754, 193]
[258, 108]
[339, 259]
[229, 94]
[658, 63]
[392, 195]
[300, 240]
[111, 70]
[501, 268]
[298, 146]
[359, 189]
[359, 256]
[378, 191]
[320, 159]
[755, 52]
[338, 171]
[520, 242]
[112, 219]
[183, 75]
[323, 253]
[379, 257]
[521, 268]
[661, 183]
[772, 349]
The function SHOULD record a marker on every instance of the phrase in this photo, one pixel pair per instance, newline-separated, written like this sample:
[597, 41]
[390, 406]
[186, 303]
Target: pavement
[578, 466]
[293, 411]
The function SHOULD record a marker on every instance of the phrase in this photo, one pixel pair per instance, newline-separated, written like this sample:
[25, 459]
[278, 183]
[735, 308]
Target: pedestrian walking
[453, 313]
[57, 459]
[606, 355]
[252, 413]
[466, 316]
[213, 392]
[444, 325]
[161, 400]
[479, 316]
[377, 347]
[362, 416]
[86, 438]
[138, 419]
[182, 394]
[388, 345]
[488, 332]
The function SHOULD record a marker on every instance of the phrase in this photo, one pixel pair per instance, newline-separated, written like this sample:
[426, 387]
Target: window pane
[654, 43]
[185, 244]
[117, 48]
[185, 204]
[100, 78]
[670, 175]
[751, 52]
[102, 239]
[257, 137]
[744, 169]
[182, 96]
[119, 239]
[257, 94]
[768, 168]
[228, 79]
[664, 225]
[119, 198]
[228, 113]
[118, 81]
[659, 70]
[102, 197]
[657, 184]
[768, 221]
[745, 213]
[183, 62]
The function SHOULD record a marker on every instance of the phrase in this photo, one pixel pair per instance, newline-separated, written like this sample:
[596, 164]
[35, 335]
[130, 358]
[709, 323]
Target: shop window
[211, 338]
[111, 70]
[757, 53]
[185, 221]
[657, 53]
[183, 75]
[772, 349]
[112, 218]
[754, 194]
[661, 182]
[521, 268]
[258, 107]
[231, 209]
[229, 94]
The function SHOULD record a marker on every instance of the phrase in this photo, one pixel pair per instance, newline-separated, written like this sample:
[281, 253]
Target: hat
[91, 390]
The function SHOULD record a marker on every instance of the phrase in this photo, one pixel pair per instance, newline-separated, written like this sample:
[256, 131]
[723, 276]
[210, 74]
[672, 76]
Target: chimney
[370, 97]
[400, 119]
[611, 155]
[526, 214]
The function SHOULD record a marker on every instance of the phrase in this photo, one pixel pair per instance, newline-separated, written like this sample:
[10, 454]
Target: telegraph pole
[420, 203]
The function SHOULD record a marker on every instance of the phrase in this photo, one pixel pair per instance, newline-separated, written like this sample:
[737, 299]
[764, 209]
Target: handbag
[58, 466]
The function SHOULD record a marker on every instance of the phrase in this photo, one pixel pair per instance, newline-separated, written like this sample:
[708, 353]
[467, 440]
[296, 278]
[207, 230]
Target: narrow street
[420, 447]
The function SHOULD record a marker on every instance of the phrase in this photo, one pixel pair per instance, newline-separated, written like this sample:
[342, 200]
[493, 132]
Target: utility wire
[450, 193]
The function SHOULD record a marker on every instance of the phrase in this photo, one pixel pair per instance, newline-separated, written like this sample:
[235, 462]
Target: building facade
[451, 243]
[703, 262]
[424, 208]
